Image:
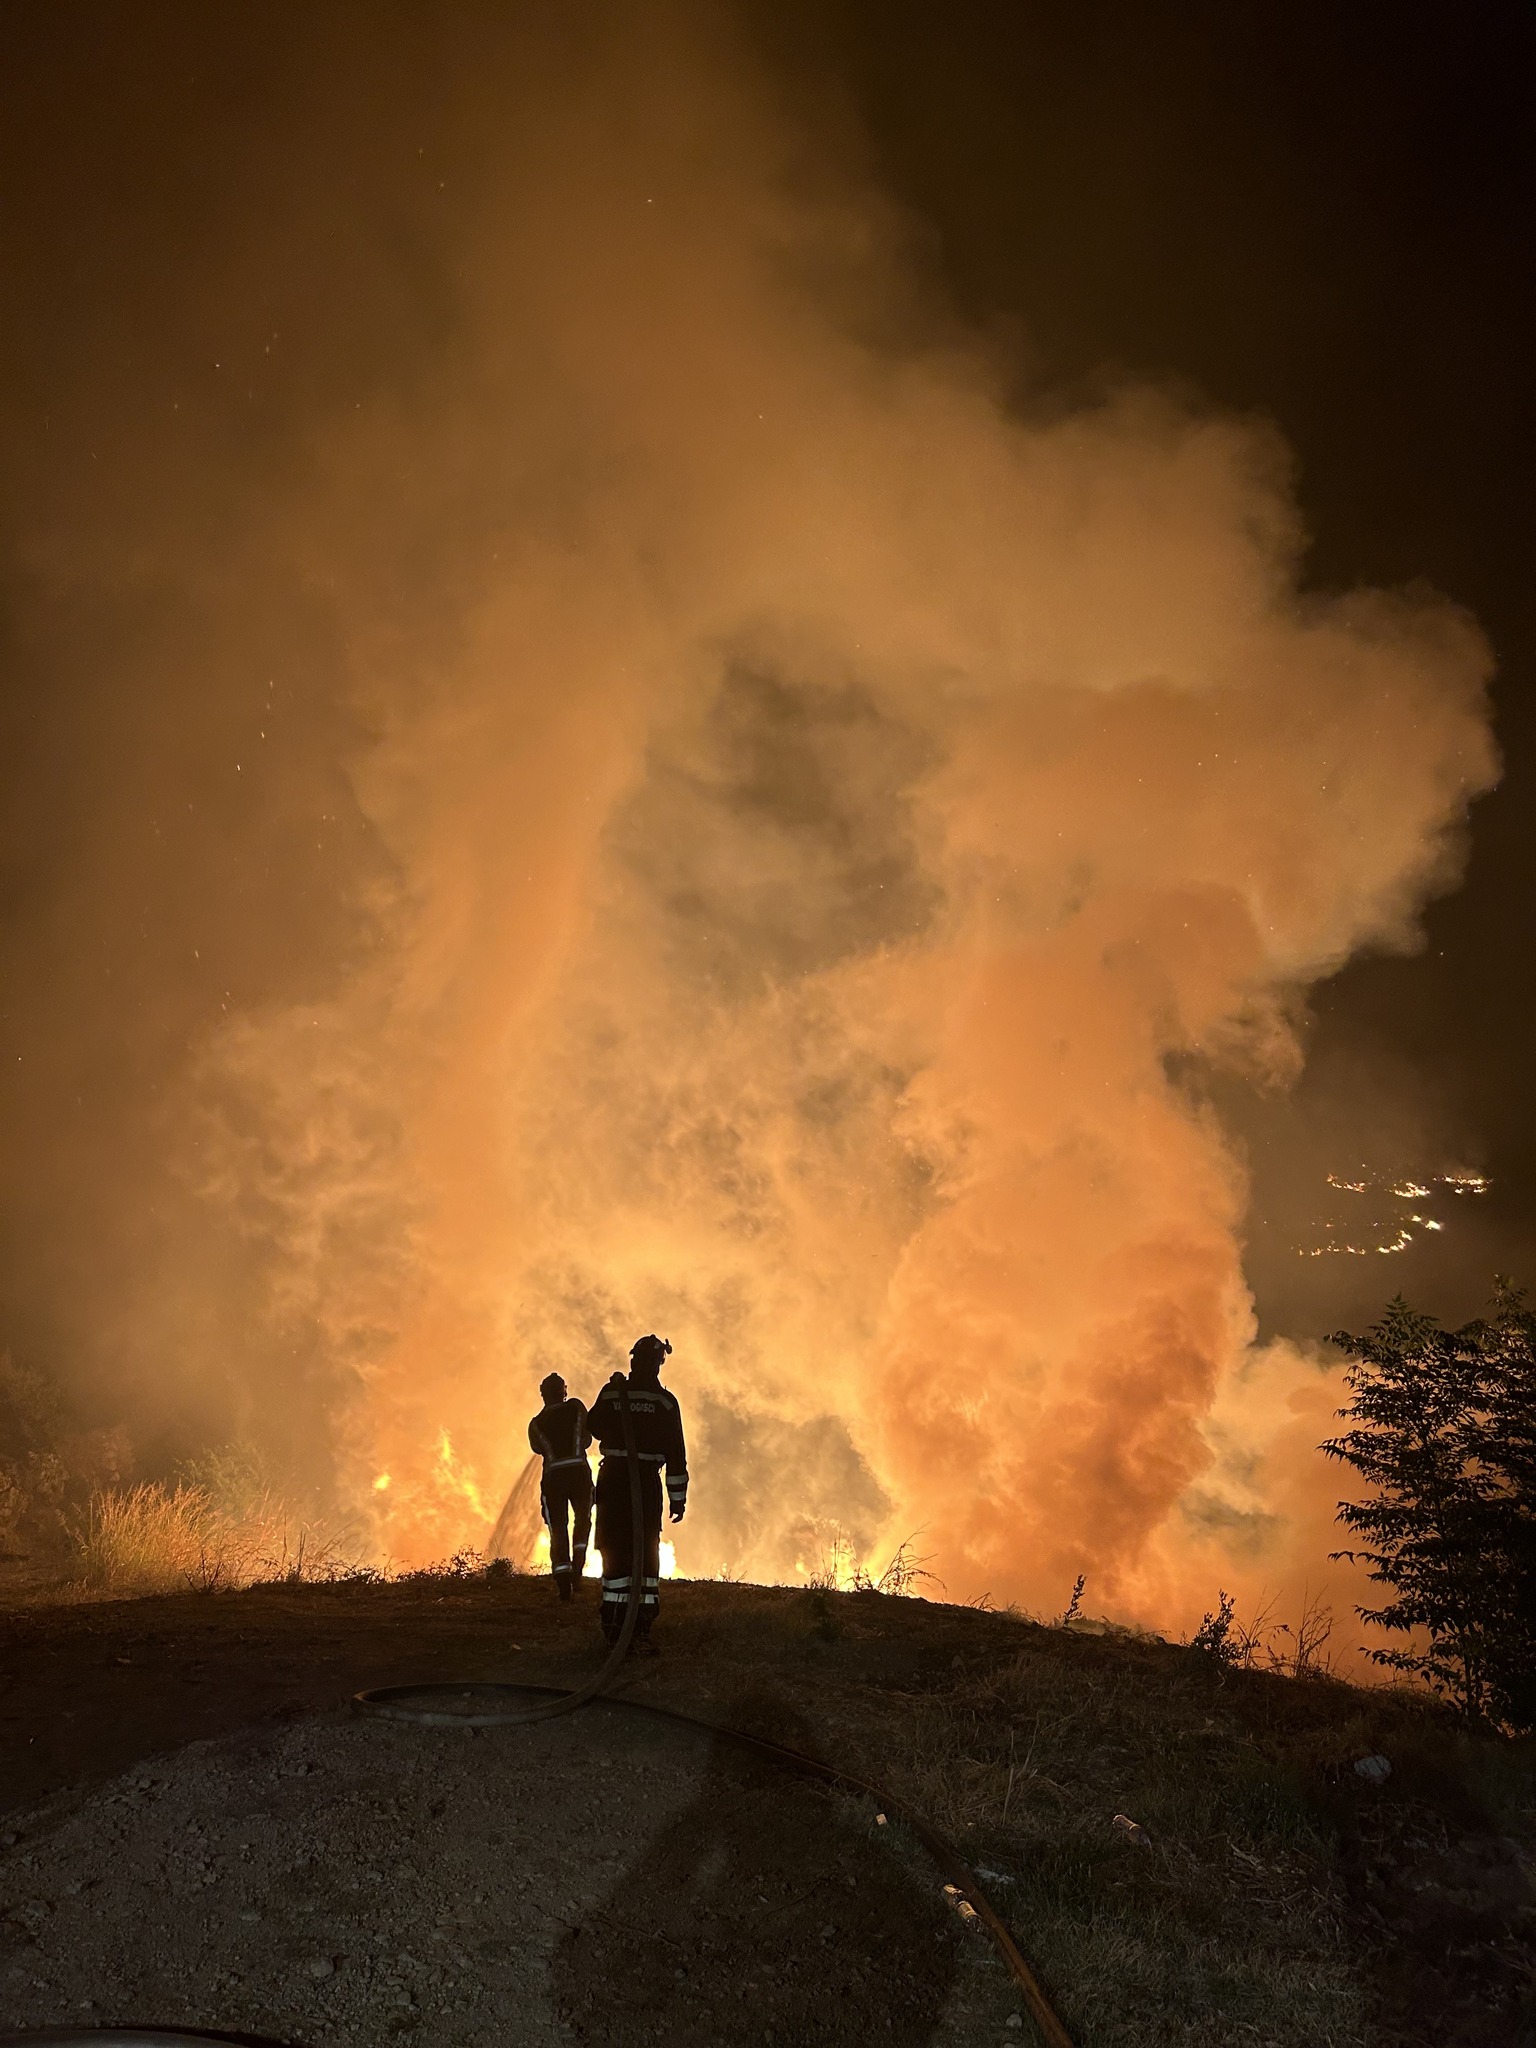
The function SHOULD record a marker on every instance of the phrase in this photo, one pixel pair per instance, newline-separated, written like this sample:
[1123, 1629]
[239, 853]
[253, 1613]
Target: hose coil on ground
[398, 1702]
[128, 2037]
[411, 1703]
[392, 1702]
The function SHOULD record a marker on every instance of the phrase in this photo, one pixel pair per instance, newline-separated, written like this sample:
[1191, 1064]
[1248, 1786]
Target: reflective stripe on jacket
[560, 1433]
[657, 1422]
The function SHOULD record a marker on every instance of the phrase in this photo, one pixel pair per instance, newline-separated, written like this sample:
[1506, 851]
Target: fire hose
[128, 2037]
[411, 1703]
[390, 1702]
[393, 1702]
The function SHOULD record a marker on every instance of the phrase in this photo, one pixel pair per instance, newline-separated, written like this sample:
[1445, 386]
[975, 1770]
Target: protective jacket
[656, 1423]
[560, 1433]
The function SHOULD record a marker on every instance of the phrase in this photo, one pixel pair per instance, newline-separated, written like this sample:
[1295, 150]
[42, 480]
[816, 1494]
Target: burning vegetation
[753, 837]
[1171, 1831]
[1393, 1208]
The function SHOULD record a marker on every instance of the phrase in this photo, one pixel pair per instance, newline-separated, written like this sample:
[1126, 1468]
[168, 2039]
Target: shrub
[1444, 1430]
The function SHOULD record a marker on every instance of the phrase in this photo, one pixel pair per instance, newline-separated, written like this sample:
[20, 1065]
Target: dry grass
[905, 1574]
[1222, 1917]
[1263, 1643]
[155, 1538]
[1266, 1894]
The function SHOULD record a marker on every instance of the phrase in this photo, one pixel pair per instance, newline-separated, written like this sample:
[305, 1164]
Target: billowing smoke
[797, 818]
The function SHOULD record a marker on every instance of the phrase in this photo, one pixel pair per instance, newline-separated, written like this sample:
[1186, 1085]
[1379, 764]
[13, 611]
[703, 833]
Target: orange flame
[456, 1480]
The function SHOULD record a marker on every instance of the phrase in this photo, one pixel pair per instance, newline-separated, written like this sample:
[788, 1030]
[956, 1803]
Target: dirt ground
[196, 1831]
[338, 1880]
[199, 1833]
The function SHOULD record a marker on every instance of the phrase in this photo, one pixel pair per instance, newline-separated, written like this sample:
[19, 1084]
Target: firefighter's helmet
[646, 1354]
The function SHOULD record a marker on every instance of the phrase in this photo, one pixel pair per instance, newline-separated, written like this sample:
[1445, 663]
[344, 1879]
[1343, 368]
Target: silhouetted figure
[559, 1434]
[657, 1425]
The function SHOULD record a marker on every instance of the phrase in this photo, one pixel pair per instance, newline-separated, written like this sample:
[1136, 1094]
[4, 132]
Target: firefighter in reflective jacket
[559, 1434]
[657, 1425]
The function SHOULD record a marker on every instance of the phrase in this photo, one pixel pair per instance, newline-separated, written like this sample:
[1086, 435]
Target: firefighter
[559, 1434]
[657, 1426]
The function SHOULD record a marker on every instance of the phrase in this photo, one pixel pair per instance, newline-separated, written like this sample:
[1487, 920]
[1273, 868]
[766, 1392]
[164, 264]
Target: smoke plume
[759, 823]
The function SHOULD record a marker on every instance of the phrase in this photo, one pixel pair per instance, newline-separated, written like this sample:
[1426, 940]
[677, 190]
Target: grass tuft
[1166, 1828]
[155, 1538]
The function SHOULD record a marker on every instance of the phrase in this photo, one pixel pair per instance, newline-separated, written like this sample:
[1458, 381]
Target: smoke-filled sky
[811, 682]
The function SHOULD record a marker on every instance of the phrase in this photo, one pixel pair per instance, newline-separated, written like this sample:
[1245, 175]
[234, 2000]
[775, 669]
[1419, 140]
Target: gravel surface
[599, 1878]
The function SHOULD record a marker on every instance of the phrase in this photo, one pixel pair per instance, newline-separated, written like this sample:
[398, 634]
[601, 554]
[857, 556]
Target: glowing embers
[1378, 1226]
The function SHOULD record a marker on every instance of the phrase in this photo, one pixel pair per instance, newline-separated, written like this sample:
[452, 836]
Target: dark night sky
[1316, 213]
[1325, 215]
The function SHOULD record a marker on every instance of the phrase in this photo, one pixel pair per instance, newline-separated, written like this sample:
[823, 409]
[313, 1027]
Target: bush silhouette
[1443, 1427]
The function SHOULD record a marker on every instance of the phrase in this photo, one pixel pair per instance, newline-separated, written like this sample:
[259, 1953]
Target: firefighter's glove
[677, 1512]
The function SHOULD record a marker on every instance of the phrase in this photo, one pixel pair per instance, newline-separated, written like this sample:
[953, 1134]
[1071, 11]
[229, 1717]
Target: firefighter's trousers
[615, 1532]
[566, 1497]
